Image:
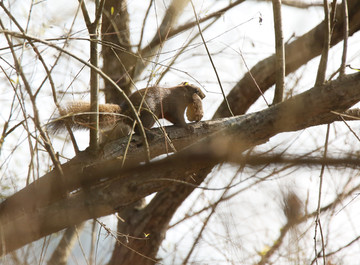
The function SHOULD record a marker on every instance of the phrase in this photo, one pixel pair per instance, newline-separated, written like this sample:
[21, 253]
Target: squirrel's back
[156, 103]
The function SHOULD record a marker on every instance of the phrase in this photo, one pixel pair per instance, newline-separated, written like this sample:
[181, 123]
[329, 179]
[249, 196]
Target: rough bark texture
[116, 187]
[245, 93]
[297, 53]
[118, 59]
[152, 221]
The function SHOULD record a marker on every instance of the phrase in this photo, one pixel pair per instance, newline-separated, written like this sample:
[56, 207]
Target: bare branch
[245, 93]
[63, 250]
[345, 12]
[94, 32]
[317, 220]
[172, 14]
[297, 3]
[47, 142]
[152, 48]
[280, 52]
[241, 132]
[210, 58]
[321, 74]
[101, 73]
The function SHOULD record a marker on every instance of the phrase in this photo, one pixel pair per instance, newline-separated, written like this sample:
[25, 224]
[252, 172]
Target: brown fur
[168, 103]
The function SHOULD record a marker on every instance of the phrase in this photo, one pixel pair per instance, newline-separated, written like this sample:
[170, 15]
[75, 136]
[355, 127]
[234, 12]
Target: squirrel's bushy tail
[77, 116]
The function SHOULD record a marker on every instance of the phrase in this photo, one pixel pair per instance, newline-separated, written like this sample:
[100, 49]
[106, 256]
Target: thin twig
[48, 74]
[118, 241]
[206, 221]
[98, 70]
[99, 12]
[46, 140]
[317, 219]
[254, 80]
[277, 243]
[143, 25]
[85, 13]
[297, 3]
[181, 51]
[351, 130]
[210, 58]
[145, 52]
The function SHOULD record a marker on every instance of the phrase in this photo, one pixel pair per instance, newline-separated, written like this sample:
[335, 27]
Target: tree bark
[298, 53]
[118, 58]
[121, 187]
[245, 93]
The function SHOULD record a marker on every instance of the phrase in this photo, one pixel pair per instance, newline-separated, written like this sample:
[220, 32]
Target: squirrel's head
[195, 89]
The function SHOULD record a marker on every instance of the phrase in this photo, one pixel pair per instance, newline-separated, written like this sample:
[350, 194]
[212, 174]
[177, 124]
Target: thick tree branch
[118, 187]
[298, 53]
[118, 58]
[183, 191]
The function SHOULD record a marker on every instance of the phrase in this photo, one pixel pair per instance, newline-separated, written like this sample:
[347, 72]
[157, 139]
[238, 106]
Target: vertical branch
[117, 55]
[94, 88]
[318, 211]
[92, 259]
[320, 78]
[94, 30]
[280, 52]
[346, 36]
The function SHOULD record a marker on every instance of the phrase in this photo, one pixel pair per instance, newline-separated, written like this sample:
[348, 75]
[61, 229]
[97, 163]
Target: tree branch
[151, 49]
[321, 74]
[172, 14]
[280, 52]
[117, 187]
[245, 92]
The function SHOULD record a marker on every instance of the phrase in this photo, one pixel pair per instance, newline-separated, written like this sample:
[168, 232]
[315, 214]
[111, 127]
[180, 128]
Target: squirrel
[159, 103]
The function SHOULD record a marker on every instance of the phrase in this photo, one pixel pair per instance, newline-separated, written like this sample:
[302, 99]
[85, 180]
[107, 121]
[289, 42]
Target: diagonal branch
[245, 92]
[151, 49]
[120, 187]
[172, 14]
